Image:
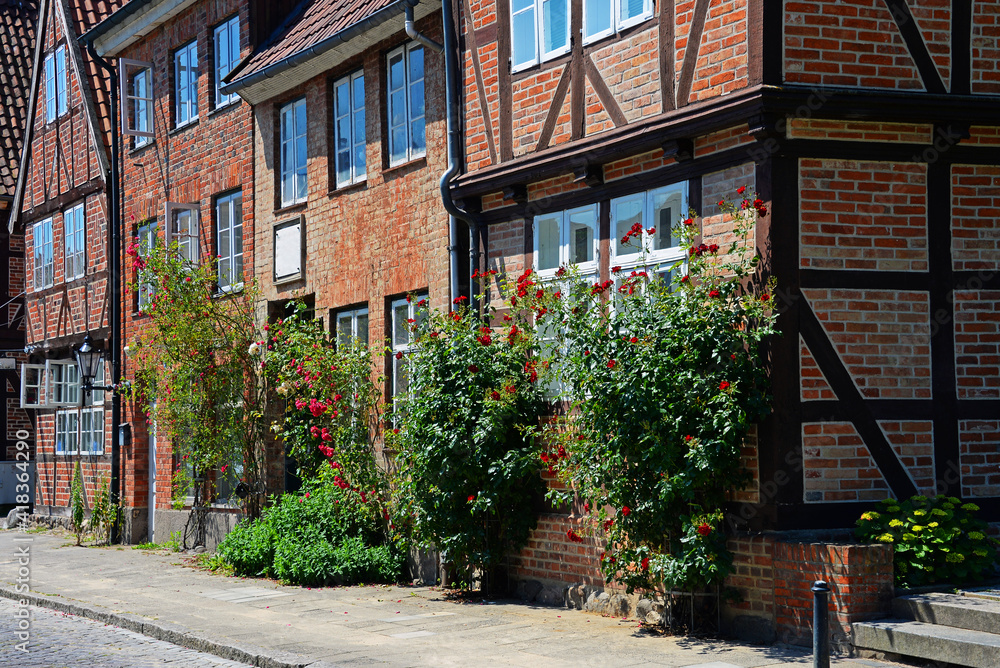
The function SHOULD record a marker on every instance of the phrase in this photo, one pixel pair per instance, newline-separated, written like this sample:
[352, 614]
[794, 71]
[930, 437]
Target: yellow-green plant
[937, 539]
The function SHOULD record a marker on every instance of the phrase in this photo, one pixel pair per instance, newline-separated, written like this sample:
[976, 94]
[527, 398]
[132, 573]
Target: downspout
[454, 123]
[114, 278]
[416, 36]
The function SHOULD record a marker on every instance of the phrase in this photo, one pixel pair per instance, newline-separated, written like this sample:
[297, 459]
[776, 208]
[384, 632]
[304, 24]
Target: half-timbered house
[61, 210]
[870, 130]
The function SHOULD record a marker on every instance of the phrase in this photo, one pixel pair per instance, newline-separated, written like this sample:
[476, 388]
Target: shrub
[935, 540]
[469, 468]
[667, 377]
[322, 535]
[77, 510]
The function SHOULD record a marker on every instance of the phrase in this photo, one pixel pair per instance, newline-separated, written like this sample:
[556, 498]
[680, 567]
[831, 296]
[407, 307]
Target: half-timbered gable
[62, 210]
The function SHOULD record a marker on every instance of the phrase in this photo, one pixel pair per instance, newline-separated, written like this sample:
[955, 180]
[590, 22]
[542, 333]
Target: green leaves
[666, 380]
[936, 539]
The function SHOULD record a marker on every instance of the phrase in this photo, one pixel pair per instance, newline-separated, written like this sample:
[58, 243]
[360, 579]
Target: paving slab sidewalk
[262, 623]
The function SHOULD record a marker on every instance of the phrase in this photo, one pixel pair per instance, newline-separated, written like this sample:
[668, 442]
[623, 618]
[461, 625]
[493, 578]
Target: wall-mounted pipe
[417, 36]
[454, 123]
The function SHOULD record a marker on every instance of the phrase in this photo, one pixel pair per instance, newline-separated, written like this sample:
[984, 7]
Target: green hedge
[320, 536]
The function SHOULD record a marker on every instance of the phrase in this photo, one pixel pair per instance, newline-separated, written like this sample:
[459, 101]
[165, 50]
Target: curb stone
[171, 633]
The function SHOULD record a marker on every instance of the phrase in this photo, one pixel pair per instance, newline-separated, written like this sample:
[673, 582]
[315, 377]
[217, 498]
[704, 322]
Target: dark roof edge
[29, 126]
[378, 18]
[125, 12]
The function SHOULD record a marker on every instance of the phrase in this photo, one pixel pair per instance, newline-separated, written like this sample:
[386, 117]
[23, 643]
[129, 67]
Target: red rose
[633, 340]
[625, 511]
[651, 231]
[704, 529]
[645, 563]
[399, 355]
[687, 438]
[765, 297]
[724, 385]
[611, 364]
[741, 190]
[616, 269]
[473, 368]
[713, 293]
[472, 497]
[495, 396]
[685, 279]
[689, 221]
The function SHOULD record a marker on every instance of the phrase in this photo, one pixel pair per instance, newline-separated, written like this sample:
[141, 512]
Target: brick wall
[854, 44]
[977, 343]
[975, 194]
[813, 385]
[868, 131]
[551, 555]
[985, 48]
[979, 457]
[630, 68]
[721, 67]
[531, 97]
[862, 215]
[882, 337]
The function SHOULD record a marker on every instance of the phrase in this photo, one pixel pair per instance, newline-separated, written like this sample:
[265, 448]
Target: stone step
[961, 647]
[962, 612]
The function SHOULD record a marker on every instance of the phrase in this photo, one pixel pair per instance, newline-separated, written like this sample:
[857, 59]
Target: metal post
[821, 625]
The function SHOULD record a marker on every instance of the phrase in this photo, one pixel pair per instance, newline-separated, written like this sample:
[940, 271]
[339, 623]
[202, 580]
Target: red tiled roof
[309, 24]
[84, 15]
[17, 51]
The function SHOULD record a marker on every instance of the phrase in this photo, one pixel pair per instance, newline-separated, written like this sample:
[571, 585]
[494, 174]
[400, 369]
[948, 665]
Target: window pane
[344, 329]
[400, 326]
[548, 242]
[400, 376]
[417, 138]
[598, 17]
[396, 72]
[581, 236]
[554, 25]
[362, 328]
[523, 35]
[632, 9]
[667, 204]
[342, 99]
[627, 211]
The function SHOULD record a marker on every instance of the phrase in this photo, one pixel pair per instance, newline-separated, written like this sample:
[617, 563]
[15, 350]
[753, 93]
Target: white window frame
[147, 237]
[540, 55]
[56, 96]
[187, 243]
[74, 242]
[44, 268]
[404, 347]
[96, 435]
[564, 218]
[230, 280]
[225, 33]
[410, 153]
[39, 384]
[351, 316]
[617, 23]
[63, 383]
[357, 169]
[67, 441]
[291, 134]
[654, 257]
[137, 119]
[186, 57]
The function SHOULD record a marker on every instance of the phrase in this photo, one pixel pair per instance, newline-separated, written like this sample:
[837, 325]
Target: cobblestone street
[59, 639]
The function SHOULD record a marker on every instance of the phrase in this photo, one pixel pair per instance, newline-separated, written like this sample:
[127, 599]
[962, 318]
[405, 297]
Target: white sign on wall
[288, 250]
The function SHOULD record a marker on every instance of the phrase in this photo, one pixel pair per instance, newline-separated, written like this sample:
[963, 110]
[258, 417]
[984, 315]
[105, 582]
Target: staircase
[960, 629]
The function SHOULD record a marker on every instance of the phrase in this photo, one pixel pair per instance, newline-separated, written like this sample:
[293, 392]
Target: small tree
[198, 373]
[466, 433]
[77, 509]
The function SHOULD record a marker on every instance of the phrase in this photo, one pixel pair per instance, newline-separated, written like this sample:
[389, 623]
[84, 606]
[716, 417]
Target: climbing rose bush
[665, 376]
[466, 432]
[332, 418]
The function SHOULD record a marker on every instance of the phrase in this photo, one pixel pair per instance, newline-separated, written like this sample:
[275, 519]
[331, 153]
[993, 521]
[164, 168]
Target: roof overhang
[323, 56]
[132, 22]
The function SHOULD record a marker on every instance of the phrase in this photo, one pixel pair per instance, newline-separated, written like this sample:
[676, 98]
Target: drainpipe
[454, 122]
[114, 243]
[411, 31]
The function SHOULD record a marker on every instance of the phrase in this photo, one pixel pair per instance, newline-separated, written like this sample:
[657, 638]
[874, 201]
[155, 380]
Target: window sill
[181, 128]
[418, 161]
[348, 187]
[289, 208]
[135, 150]
[225, 106]
[292, 278]
[228, 292]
